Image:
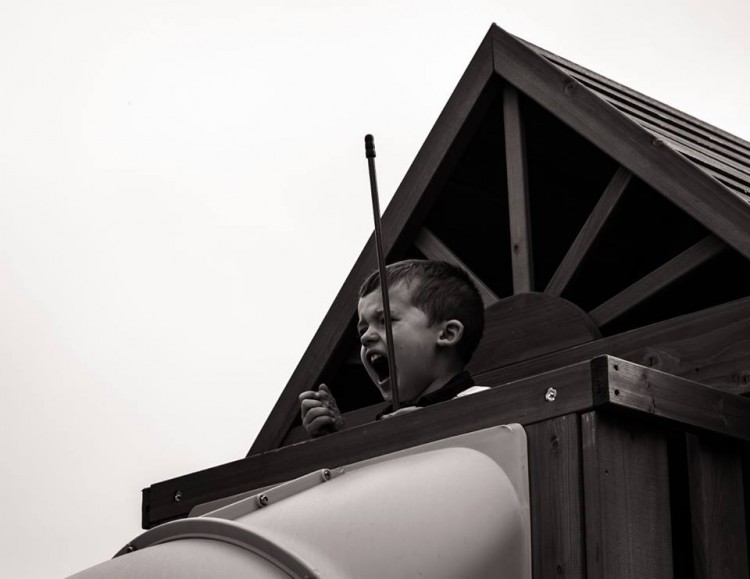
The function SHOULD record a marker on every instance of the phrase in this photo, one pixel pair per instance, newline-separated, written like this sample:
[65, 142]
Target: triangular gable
[504, 67]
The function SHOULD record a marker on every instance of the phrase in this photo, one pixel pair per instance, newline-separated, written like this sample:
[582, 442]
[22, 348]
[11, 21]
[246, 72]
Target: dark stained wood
[588, 233]
[403, 216]
[712, 136]
[631, 145]
[518, 193]
[626, 496]
[623, 385]
[432, 248]
[556, 505]
[657, 280]
[711, 346]
[717, 505]
[522, 402]
[529, 325]
[673, 126]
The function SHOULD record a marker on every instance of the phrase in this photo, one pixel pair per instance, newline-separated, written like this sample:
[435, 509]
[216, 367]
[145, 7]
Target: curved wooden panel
[528, 325]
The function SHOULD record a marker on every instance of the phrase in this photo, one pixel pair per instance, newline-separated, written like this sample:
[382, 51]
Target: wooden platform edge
[525, 401]
[625, 386]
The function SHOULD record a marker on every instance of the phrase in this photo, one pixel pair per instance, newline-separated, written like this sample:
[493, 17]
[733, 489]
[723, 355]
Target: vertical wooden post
[717, 507]
[556, 504]
[626, 497]
[518, 193]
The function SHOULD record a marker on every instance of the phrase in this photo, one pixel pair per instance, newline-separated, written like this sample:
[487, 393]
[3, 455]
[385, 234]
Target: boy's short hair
[442, 291]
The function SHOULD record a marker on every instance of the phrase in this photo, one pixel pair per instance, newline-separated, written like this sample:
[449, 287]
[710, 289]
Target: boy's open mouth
[379, 363]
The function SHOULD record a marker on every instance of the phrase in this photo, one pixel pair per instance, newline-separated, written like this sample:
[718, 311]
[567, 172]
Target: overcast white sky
[183, 190]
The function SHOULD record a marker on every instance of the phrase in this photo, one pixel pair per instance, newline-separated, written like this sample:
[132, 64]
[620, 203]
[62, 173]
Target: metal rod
[370, 154]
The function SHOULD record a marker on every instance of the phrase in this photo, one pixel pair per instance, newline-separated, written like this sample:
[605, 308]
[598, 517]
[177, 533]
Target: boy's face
[415, 342]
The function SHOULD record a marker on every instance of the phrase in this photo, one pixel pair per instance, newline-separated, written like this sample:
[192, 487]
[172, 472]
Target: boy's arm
[320, 413]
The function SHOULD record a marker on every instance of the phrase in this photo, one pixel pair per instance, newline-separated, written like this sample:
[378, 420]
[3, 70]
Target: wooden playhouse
[610, 237]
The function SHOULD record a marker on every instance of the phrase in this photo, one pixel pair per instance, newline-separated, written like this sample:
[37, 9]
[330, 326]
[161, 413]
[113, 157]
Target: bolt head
[178, 496]
[263, 500]
[550, 395]
[326, 474]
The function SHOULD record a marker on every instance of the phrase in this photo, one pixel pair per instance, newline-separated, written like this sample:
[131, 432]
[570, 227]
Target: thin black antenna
[370, 154]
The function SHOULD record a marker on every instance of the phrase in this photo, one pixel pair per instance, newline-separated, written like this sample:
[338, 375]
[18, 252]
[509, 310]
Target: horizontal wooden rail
[604, 383]
[623, 385]
[522, 401]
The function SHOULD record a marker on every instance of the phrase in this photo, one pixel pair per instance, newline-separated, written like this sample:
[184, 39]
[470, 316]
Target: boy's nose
[369, 337]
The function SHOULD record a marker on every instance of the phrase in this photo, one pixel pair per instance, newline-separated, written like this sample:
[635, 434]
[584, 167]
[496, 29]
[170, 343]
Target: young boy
[438, 319]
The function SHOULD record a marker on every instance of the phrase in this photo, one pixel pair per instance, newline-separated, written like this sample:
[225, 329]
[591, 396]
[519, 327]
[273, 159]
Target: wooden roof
[529, 141]
[718, 153]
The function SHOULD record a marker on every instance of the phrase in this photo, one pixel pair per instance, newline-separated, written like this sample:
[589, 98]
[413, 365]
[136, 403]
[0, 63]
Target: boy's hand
[320, 414]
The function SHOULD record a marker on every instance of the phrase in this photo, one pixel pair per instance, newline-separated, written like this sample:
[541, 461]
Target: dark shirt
[460, 382]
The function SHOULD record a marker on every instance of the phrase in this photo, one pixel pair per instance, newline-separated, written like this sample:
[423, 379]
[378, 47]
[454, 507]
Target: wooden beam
[717, 508]
[518, 193]
[657, 280]
[589, 232]
[432, 248]
[523, 402]
[626, 387]
[556, 505]
[626, 497]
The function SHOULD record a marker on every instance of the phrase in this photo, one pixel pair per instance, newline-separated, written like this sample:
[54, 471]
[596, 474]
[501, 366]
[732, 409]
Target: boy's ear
[451, 332]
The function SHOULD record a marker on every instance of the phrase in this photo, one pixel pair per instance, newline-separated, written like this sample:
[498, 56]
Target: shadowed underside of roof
[718, 153]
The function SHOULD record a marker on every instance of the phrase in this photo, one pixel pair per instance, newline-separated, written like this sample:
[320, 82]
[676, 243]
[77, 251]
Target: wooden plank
[556, 507]
[523, 402]
[528, 325]
[711, 134]
[668, 172]
[518, 193]
[657, 280]
[626, 496]
[711, 346]
[625, 386]
[432, 248]
[404, 214]
[589, 232]
[717, 505]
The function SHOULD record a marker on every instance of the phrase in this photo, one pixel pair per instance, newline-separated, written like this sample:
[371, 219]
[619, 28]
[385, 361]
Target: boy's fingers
[324, 389]
[309, 394]
[307, 405]
[320, 425]
[316, 413]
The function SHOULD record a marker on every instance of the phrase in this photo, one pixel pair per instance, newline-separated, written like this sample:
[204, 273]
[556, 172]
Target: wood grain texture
[401, 220]
[626, 495]
[710, 346]
[556, 503]
[723, 145]
[646, 156]
[432, 248]
[626, 386]
[717, 505]
[657, 280]
[518, 193]
[523, 402]
[588, 233]
[529, 325]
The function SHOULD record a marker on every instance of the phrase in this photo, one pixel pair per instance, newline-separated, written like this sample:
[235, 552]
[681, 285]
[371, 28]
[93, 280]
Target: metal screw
[263, 500]
[178, 496]
[130, 547]
[326, 474]
[550, 395]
